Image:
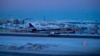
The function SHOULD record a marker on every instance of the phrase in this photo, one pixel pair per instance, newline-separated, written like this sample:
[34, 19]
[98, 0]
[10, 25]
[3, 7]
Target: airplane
[55, 31]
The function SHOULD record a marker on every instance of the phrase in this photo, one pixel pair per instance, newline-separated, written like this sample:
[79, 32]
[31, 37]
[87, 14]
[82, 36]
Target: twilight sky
[51, 9]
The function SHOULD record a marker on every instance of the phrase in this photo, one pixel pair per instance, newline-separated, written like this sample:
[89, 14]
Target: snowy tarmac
[41, 34]
[54, 45]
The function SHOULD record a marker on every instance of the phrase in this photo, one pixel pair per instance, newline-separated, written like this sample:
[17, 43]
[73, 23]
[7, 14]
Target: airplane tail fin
[32, 27]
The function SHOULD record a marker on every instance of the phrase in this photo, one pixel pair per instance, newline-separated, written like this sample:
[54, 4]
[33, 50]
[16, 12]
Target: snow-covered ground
[56, 45]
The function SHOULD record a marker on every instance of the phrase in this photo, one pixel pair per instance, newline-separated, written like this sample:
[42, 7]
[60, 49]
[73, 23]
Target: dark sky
[51, 9]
